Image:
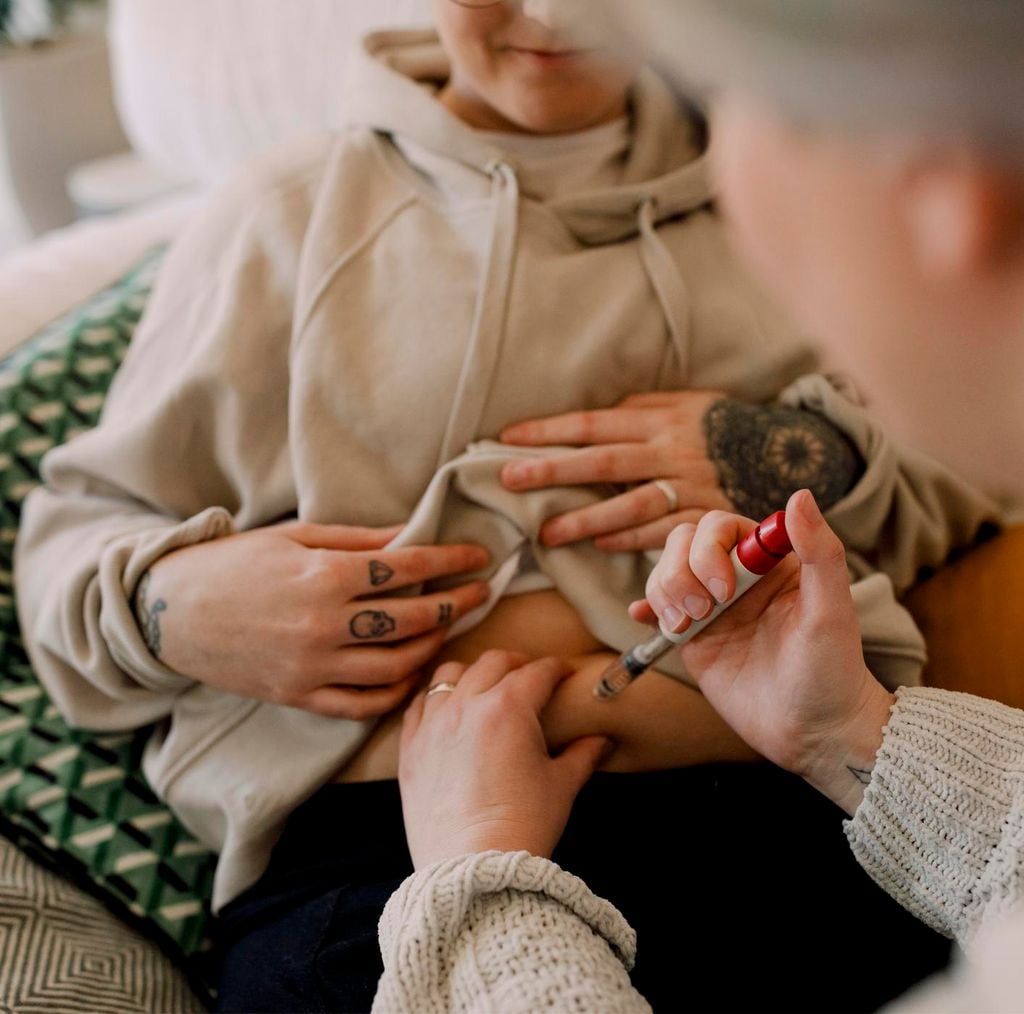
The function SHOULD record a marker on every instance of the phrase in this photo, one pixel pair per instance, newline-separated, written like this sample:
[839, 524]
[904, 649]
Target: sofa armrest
[972, 617]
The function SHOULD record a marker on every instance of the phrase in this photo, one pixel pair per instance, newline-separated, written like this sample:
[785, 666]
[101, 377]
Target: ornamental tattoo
[444, 614]
[380, 573]
[371, 625]
[765, 453]
[148, 616]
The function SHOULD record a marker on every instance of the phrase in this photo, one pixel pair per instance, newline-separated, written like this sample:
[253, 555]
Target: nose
[556, 15]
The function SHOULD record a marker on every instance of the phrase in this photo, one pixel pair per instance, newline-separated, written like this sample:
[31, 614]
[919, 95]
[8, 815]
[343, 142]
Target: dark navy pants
[737, 878]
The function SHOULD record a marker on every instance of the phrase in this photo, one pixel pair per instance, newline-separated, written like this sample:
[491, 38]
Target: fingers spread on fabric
[615, 463]
[388, 620]
[372, 573]
[582, 429]
[628, 510]
[653, 535]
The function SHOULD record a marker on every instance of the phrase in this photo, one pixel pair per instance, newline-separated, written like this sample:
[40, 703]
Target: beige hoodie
[342, 324]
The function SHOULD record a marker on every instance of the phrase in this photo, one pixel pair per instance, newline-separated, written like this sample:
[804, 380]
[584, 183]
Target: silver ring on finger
[669, 492]
[441, 688]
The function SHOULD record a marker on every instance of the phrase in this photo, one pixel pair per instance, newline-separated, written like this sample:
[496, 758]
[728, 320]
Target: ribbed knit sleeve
[941, 827]
[504, 932]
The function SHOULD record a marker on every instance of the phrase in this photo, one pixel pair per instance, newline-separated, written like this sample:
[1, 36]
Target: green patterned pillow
[77, 800]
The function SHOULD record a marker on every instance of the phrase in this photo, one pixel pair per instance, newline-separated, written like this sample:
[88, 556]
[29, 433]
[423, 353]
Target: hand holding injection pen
[754, 557]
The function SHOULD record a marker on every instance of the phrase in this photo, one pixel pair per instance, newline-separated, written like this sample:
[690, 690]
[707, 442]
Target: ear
[964, 218]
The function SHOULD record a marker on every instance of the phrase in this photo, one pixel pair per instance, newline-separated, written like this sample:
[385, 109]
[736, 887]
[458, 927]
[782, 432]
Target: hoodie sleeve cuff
[122, 566]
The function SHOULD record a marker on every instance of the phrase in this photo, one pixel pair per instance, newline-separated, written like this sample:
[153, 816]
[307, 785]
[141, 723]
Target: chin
[541, 116]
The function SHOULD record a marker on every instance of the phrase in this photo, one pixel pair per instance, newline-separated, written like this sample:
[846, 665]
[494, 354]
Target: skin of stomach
[658, 723]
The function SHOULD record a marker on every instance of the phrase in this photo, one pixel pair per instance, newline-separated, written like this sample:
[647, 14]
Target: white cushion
[203, 84]
[47, 278]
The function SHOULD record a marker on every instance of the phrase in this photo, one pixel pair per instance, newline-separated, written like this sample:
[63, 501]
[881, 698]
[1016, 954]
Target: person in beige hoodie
[508, 230]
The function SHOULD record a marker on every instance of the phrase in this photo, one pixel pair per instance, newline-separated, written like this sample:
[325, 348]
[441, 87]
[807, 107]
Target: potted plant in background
[56, 108]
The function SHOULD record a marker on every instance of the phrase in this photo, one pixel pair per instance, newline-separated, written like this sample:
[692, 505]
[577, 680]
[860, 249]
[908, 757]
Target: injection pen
[757, 555]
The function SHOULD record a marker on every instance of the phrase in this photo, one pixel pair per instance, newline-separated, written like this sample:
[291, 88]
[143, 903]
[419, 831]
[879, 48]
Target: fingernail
[808, 507]
[718, 588]
[697, 606]
[672, 618]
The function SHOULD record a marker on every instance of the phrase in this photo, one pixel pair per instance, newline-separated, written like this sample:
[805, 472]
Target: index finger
[536, 682]
[400, 568]
[599, 426]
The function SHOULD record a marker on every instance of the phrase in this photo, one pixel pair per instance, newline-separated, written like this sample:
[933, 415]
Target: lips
[548, 57]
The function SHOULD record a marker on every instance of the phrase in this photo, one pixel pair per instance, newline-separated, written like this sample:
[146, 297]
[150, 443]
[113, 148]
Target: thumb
[581, 758]
[824, 579]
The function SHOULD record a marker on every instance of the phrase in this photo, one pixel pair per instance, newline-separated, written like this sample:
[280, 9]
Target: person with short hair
[870, 157]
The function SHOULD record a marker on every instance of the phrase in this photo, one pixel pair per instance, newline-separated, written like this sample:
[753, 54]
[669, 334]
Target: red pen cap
[763, 549]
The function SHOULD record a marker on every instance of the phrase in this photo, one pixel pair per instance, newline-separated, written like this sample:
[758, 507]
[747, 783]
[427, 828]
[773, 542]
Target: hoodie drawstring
[668, 285]
[484, 348]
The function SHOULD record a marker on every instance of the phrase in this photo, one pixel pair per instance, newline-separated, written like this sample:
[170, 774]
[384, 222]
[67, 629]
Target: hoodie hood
[395, 81]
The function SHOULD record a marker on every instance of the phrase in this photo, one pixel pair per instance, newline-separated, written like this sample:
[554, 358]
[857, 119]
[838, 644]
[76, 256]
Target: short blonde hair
[944, 67]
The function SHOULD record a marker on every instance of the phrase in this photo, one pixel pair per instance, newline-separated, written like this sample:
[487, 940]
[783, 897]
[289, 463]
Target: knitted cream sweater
[940, 829]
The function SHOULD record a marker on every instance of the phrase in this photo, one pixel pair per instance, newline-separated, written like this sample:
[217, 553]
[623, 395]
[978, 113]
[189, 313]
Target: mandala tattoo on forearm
[765, 453]
[147, 615]
[371, 625]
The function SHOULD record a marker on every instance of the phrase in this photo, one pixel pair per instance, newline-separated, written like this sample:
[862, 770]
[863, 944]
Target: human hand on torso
[474, 768]
[784, 666]
[281, 614]
[692, 452]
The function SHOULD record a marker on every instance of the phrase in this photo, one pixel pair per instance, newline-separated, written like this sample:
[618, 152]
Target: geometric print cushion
[61, 950]
[76, 800]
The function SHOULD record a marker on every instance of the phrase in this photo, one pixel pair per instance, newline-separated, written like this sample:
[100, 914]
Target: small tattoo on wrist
[863, 775]
[765, 453]
[445, 614]
[371, 625]
[148, 616]
[380, 573]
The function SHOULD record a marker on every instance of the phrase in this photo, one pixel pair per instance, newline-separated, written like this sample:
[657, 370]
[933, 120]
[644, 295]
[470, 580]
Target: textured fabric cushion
[77, 798]
[60, 950]
[201, 86]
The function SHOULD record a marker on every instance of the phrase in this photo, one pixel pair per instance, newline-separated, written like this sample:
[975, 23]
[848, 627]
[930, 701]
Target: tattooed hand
[784, 666]
[282, 614]
[691, 452]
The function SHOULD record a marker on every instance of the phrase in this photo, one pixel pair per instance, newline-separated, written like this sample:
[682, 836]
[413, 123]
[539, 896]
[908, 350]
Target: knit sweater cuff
[502, 930]
[941, 827]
